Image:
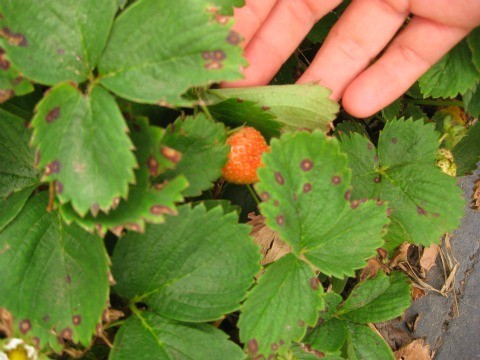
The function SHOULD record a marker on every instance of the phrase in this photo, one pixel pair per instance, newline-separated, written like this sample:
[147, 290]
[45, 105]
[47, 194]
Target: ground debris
[416, 350]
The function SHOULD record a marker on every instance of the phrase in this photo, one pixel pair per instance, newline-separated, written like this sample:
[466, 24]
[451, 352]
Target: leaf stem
[253, 193]
[114, 324]
[439, 102]
[206, 111]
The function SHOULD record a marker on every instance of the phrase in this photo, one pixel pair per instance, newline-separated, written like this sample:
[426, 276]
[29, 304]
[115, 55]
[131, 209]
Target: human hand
[272, 30]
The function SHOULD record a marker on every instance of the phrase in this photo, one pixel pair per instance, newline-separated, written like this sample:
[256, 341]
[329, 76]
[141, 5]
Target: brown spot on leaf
[280, 220]
[307, 187]
[171, 154]
[219, 55]
[376, 179]
[347, 195]
[375, 158]
[382, 253]
[354, 204]
[314, 283]
[394, 140]
[46, 318]
[115, 203]
[239, 100]
[52, 115]
[58, 187]
[379, 202]
[53, 168]
[421, 210]
[336, 180]
[25, 326]
[36, 342]
[276, 203]
[253, 346]
[281, 342]
[265, 108]
[133, 226]
[213, 65]
[370, 146]
[363, 200]
[94, 209]
[17, 80]
[234, 38]
[152, 165]
[4, 63]
[6, 94]
[389, 211]
[279, 178]
[60, 51]
[274, 347]
[68, 279]
[66, 333]
[301, 323]
[213, 59]
[15, 39]
[265, 196]
[161, 210]
[77, 320]
[306, 165]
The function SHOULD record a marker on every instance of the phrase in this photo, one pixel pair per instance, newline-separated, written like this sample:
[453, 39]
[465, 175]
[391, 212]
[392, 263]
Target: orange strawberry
[246, 148]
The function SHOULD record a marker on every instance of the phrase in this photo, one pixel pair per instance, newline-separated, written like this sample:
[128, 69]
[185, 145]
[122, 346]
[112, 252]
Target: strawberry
[246, 148]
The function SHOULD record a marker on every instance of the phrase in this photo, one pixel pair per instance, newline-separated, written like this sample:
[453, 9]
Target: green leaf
[415, 112]
[364, 343]
[471, 100]
[319, 32]
[56, 41]
[12, 83]
[236, 113]
[226, 6]
[423, 202]
[16, 157]
[11, 206]
[84, 147]
[285, 301]
[146, 202]
[454, 74]
[195, 267]
[473, 41]
[299, 352]
[151, 58]
[393, 110]
[148, 336]
[466, 153]
[204, 152]
[53, 277]
[379, 299]
[294, 106]
[328, 337]
[305, 184]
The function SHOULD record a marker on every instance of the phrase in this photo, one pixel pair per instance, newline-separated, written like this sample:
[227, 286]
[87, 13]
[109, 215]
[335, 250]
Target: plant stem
[114, 324]
[436, 102]
[206, 111]
[253, 193]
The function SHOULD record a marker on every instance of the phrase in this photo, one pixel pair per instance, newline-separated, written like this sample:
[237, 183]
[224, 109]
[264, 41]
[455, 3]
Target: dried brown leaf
[400, 255]
[416, 350]
[476, 195]
[372, 268]
[429, 257]
[272, 247]
[417, 292]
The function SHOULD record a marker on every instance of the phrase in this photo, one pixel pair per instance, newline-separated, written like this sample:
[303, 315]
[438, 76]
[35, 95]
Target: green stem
[114, 324]
[436, 102]
[253, 193]
[206, 111]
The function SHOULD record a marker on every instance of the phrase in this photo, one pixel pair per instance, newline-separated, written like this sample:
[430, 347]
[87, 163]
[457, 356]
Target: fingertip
[361, 101]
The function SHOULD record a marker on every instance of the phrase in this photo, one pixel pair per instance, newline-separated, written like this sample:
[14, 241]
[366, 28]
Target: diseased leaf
[285, 301]
[328, 337]
[294, 106]
[301, 352]
[146, 202]
[150, 58]
[16, 157]
[454, 74]
[423, 202]
[226, 6]
[201, 142]
[236, 113]
[471, 100]
[195, 267]
[56, 41]
[148, 336]
[364, 343]
[84, 147]
[39, 254]
[12, 83]
[11, 206]
[376, 300]
[305, 188]
[466, 153]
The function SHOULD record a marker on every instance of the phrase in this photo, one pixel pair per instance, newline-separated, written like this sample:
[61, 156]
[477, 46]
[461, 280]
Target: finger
[278, 37]
[249, 18]
[411, 54]
[361, 33]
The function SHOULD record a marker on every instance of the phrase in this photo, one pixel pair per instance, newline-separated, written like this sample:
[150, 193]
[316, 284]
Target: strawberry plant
[122, 216]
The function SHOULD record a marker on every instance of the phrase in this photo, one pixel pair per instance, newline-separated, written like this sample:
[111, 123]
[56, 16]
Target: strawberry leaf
[11, 206]
[12, 83]
[148, 336]
[195, 267]
[294, 106]
[375, 300]
[471, 100]
[202, 144]
[423, 202]
[305, 185]
[226, 6]
[16, 157]
[363, 343]
[56, 41]
[150, 58]
[454, 74]
[41, 251]
[90, 160]
[146, 202]
[473, 41]
[279, 309]
[466, 153]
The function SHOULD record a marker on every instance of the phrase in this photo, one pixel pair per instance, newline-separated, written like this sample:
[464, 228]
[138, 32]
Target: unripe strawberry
[246, 148]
